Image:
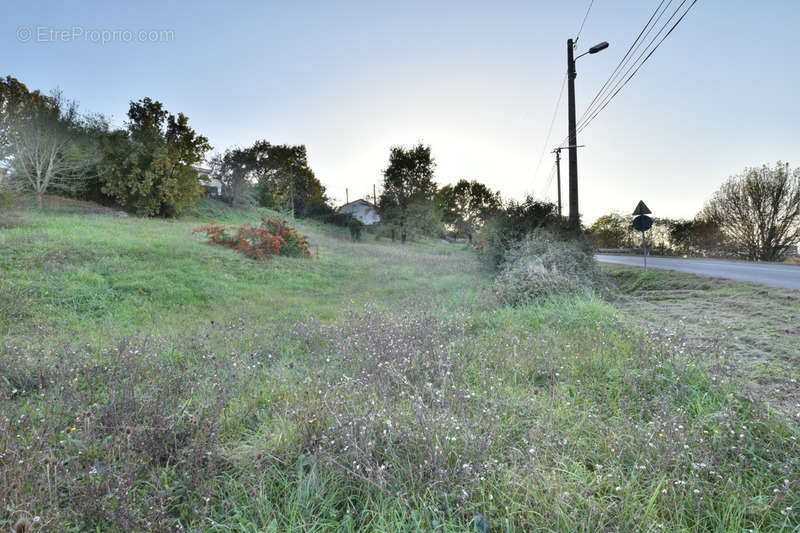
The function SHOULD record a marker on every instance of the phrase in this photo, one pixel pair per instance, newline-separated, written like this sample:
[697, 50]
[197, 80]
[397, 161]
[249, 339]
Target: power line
[618, 82]
[624, 59]
[550, 129]
[555, 111]
[652, 51]
[550, 178]
[584, 20]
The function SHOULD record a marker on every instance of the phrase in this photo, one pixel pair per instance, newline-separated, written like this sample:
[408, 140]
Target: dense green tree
[235, 169]
[515, 222]
[285, 180]
[759, 211]
[407, 181]
[16, 101]
[680, 234]
[467, 205]
[699, 236]
[666, 236]
[149, 166]
[707, 238]
[613, 230]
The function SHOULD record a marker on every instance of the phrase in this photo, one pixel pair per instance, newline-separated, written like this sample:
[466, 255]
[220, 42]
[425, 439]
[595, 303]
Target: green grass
[375, 387]
[756, 327]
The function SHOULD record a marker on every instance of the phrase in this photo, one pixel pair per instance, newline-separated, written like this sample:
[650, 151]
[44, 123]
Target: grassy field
[149, 382]
[756, 328]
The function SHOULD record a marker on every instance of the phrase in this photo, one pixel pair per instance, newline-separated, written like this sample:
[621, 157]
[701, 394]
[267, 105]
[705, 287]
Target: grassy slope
[757, 327]
[373, 387]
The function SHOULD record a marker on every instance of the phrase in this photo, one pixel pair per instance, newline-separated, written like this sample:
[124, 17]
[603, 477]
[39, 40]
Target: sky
[478, 81]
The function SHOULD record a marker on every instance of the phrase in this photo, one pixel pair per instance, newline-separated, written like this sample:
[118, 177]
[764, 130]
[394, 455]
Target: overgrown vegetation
[540, 266]
[152, 384]
[272, 237]
[754, 326]
[515, 223]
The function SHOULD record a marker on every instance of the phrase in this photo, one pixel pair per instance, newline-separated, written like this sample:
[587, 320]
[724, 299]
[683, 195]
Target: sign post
[642, 223]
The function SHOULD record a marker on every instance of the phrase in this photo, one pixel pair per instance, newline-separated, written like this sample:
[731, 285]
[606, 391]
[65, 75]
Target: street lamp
[596, 48]
[574, 216]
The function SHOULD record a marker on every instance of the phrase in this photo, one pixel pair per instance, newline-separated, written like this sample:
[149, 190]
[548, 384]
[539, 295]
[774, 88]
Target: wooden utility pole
[574, 216]
[291, 189]
[557, 151]
[346, 195]
[375, 195]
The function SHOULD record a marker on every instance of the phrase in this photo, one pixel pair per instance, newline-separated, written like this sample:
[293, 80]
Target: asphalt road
[787, 276]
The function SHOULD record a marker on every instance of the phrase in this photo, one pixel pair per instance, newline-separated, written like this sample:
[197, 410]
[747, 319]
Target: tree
[467, 205]
[407, 180]
[680, 235]
[285, 179]
[234, 169]
[15, 100]
[699, 236]
[42, 141]
[518, 220]
[148, 167]
[612, 231]
[759, 211]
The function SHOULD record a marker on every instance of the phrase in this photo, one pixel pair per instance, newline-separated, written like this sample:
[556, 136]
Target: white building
[363, 211]
[212, 186]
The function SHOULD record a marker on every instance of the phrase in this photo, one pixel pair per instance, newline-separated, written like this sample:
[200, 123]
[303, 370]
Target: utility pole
[291, 189]
[346, 195]
[557, 151]
[574, 216]
[375, 195]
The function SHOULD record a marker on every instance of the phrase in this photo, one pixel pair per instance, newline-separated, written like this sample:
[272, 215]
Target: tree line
[754, 215]
[149, 166]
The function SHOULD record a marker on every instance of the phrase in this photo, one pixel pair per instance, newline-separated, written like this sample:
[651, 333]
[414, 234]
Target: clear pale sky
[476, 80]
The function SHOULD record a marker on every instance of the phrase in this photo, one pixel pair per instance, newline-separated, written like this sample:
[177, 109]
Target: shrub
[512, 224]
[273, 237]
[540, 266]
[7, 197]
[333, 218]
[355, 226]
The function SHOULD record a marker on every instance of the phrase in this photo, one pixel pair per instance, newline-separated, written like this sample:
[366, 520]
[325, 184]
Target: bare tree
[46, 148]
[759, 211]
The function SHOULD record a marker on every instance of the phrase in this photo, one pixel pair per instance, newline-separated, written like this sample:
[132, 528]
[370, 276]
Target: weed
[540, 267]
[151, 384]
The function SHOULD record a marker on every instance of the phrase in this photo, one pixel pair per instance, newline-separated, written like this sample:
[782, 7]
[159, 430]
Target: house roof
[359, 201]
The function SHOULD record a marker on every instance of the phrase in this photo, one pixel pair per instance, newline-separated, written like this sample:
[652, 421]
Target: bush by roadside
[541, 266]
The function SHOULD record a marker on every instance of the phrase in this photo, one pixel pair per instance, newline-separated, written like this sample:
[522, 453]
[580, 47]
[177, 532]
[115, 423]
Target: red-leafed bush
[272, 237]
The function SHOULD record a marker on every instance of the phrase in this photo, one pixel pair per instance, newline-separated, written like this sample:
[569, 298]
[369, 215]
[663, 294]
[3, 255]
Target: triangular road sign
[641, 209]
